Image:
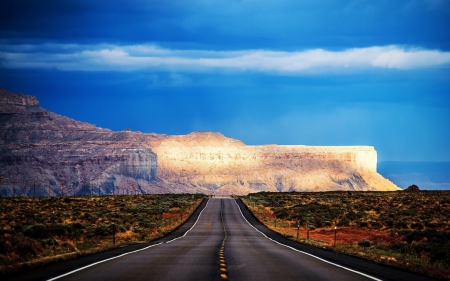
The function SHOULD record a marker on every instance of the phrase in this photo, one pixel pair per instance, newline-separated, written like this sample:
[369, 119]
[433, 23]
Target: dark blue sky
[316, 72]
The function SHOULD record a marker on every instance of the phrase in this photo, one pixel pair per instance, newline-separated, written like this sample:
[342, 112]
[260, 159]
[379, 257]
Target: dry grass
[37, 231]
[407, 230]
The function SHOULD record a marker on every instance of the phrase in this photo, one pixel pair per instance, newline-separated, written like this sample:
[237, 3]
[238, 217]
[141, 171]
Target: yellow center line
[223, 265]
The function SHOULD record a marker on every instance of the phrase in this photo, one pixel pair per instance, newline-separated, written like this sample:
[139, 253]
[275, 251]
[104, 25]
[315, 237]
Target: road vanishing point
[220, 241]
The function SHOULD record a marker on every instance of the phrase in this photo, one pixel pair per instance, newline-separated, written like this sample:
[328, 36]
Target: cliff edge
[228, 166]
[62, 156]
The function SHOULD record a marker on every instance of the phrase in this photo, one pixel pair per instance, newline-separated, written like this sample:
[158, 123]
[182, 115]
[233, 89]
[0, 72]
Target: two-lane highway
[198, 253]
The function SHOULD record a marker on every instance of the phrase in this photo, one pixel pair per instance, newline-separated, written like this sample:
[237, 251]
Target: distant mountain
[426, 175]
[62, 156]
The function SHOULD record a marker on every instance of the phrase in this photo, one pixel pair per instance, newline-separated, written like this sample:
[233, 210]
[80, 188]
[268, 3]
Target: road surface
[218, 243]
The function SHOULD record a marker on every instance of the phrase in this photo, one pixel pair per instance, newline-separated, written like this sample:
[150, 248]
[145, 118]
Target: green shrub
[344, 222]
[36, 231]
[50, 241]
[364, 243]
[99, 230]
[59, 229]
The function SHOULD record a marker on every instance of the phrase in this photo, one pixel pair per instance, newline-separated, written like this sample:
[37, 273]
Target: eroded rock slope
[64, 156]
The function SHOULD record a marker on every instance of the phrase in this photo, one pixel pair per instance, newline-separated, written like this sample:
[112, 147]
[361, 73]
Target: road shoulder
[381, 271]
[55, 269]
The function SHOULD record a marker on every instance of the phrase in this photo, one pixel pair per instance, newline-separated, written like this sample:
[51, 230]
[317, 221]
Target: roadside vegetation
[35, 231]
[410, 230]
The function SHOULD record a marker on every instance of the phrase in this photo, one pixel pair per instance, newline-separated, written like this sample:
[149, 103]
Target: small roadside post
[114, 233]
[307, 233]
[335, 237]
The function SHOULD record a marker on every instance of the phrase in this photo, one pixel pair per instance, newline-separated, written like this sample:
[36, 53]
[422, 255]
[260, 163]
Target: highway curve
[203, 253]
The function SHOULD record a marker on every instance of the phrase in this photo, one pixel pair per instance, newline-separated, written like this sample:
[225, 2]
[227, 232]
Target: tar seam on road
[223, 264]
[292, 248]
[102, 261]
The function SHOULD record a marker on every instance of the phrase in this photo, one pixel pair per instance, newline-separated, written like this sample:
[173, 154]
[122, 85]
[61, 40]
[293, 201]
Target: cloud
[71, 57]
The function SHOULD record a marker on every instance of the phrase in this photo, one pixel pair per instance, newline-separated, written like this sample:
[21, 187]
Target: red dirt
[350, 235]
[168, 215]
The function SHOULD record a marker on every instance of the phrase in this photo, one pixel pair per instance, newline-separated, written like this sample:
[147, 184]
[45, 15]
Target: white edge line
[192, 225]
[337, 265]
[95, 263]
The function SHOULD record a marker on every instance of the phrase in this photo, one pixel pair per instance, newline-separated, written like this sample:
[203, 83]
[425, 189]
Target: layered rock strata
[218, 164]
[64, 156]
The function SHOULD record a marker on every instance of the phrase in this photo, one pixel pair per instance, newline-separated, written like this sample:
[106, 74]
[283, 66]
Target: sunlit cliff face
[216, 164]
[65, 156]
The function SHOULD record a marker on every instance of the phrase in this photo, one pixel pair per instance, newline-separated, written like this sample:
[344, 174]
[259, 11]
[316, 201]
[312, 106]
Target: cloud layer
[72, 57]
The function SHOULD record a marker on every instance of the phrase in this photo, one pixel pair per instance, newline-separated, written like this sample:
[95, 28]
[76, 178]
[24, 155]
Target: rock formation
[219, 164]
[64, 156]
[412, 188]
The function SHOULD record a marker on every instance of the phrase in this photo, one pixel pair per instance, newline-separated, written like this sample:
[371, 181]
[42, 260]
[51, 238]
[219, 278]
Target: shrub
[364, 243]
[99, 230]
[50, 241]
[362, 223]
[282, 213]
[376, 224]
[344, 222]
[389, 223]
[59, 229]
[351, 215]
[78, 225]
[400, 224]
[417, 225]
[28, 247]
[318, 222]
[36, 231]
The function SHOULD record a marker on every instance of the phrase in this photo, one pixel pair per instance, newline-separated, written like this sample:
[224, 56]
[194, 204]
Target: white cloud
[141, 57]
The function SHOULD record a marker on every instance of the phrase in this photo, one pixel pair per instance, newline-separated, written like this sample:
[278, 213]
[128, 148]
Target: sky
[310, 72]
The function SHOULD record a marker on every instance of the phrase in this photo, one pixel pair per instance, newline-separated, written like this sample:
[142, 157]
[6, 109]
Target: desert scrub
[32, 230]
[405, 229]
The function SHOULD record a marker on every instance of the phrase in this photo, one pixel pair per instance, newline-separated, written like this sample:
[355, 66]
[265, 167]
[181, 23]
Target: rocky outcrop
[412, 188]
[66, 156]
[214, 163]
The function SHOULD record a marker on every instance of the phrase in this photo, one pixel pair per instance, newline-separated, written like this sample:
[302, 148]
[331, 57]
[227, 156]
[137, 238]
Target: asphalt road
[251, 256]
[192, 257]
[251, 252]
